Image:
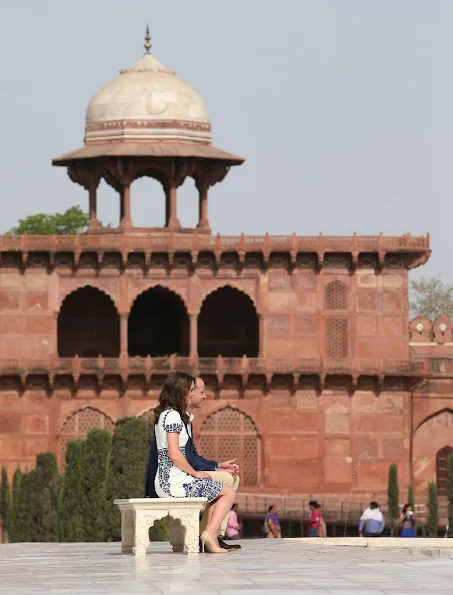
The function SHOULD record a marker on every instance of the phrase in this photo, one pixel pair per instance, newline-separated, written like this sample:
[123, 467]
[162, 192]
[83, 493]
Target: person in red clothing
[316, 522]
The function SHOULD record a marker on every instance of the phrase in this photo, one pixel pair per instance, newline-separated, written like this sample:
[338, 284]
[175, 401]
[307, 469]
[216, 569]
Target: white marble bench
[139, 514]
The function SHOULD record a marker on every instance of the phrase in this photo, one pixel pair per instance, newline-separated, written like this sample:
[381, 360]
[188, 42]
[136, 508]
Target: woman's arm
[179, 459]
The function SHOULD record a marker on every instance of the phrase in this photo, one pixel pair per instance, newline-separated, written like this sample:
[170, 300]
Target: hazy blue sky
[342, 108]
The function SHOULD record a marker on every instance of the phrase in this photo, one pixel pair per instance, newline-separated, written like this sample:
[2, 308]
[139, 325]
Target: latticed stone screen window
[230, 434]
[337, 337]
[79, 424]
[336, 296]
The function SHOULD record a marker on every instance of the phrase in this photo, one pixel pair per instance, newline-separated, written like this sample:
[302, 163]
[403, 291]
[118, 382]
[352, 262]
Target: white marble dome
[147, 102]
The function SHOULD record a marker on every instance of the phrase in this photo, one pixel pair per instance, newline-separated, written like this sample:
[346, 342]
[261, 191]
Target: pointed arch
[78, 424]
[217, 334]
[433, 420]
[158, 324]
[229, 433]
[148, 414]
[432, 439]
[88, 324]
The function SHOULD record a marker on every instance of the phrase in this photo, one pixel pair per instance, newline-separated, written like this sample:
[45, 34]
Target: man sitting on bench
[226, 472]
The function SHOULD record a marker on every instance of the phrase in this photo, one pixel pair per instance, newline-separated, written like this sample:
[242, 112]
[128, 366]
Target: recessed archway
[231, 434]
[228, 325]
[158, 324]
[430, 448]
[88, 325]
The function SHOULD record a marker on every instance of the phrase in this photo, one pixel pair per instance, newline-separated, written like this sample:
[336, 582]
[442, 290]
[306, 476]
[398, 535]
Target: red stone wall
[309, 439]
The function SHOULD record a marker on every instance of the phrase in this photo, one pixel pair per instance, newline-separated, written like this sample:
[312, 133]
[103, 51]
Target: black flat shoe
[227, 546]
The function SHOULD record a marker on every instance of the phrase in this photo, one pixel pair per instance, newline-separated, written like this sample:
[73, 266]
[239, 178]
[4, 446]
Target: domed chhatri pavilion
[304, 342]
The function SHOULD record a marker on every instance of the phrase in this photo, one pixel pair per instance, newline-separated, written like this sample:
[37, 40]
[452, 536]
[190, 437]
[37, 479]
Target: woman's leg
[218, 510]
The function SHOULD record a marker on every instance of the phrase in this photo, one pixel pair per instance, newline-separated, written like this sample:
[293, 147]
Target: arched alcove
[442, 470]
[158, 324]
[79, 424]
[431, 442]
[228, 325]
[147, 202]
[231, 434]
[336, 296]
[88, 325]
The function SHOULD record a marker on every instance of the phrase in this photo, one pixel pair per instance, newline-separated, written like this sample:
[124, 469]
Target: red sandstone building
[302, 341]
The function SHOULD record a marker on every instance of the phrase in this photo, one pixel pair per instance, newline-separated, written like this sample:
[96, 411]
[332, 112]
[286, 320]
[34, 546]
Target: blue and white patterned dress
[171, 481]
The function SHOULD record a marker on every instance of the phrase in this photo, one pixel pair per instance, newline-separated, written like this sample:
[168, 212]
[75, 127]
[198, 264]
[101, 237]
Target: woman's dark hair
[314, 504]
[173, 395]
[406, 506]
[271, 508]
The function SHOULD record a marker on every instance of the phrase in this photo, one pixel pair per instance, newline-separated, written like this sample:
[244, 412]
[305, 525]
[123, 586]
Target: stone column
[203, 222]
[172, 217]
[193, 335]
[262, 335]
[93, 208]
[123, 335]
[126, 220]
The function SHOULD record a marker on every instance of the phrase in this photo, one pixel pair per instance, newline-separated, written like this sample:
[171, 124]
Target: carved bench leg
[191, 524]
[143, 522]
[127, 531]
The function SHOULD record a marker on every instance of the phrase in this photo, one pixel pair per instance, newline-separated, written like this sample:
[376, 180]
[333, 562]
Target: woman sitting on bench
[175, 476]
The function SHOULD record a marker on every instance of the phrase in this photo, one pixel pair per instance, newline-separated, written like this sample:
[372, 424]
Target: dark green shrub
[5, 505]
[393, 497]
[94, 483]
[70, 506]
[433, 510]
[130, 446]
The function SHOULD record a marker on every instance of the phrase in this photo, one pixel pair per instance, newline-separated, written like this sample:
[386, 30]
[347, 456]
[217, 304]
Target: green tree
[410, 496]
[70, 506]
[94, 483]
[431, 298]
[47, 488]
[393, 497]
[5, 505]
[130, 446]
[433, 510]
[72, 221]
[17, 529]
[450, 495]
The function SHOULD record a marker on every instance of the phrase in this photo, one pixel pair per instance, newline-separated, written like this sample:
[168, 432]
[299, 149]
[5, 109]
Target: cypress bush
[433, 510]
[130, 446]
[47, 488]
[393, 497]
[94, 482]
[29, 506]
[450, 494]
[70, 506]
[16, 529]
[5, 505]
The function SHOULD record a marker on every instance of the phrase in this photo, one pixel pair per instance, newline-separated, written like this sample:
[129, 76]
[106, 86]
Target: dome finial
[147, 44]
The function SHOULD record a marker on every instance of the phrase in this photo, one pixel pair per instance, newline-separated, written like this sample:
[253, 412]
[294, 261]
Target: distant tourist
[372, 521]
[271, 527]
[233, 526]
[316, 522]
[407, 519]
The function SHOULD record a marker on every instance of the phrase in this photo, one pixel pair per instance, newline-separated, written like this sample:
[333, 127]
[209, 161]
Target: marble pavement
[262, 566]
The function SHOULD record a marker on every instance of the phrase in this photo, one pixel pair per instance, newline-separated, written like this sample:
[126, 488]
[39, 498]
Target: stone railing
[157, 241]
[219, 366]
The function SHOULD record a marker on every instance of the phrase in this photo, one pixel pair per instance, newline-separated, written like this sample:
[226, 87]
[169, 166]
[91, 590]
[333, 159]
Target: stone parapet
[140, 248]
[144, 374]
